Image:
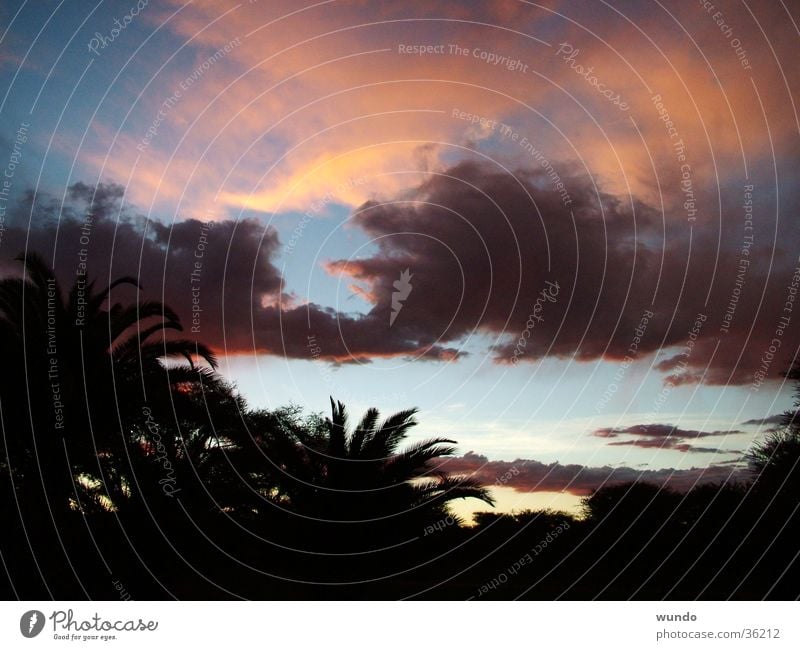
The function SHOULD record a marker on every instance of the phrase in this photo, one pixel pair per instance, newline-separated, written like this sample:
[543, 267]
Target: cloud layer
[534, 476]
[490, 252]
[502, 254]
[490, 182]
[663, 436]
[219, 277]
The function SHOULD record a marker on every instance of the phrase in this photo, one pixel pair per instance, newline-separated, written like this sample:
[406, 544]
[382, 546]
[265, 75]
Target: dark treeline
[131, 469]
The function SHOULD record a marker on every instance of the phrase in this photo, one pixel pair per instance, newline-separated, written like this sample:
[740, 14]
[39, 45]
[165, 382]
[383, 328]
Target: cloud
[492, 253]
[218, 276]
[663, 436]
[486, 245]
[658, 430]
[313, 97]
[777, 419]
[534, 476]
[661, 443]
[314, 103]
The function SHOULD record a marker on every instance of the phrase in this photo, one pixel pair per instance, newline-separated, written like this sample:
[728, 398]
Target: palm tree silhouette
[775, 461]
[363, 476]
[77, 374]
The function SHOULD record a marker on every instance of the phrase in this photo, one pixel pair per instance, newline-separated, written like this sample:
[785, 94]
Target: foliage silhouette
[775, 461]
[128, 460]
[363, 475]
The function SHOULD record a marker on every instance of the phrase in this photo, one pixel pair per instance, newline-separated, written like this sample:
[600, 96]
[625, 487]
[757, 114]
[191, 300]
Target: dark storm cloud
[219, 277]
[534, 476]
[484, 245]
[234, 258]
[572, 273]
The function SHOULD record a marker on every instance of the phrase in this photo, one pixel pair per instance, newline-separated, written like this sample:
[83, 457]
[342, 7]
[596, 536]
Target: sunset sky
[596, 203]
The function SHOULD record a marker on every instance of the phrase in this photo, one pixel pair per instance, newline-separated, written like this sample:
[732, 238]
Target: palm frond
[150, 353]
[337, 425]
[131, 345]
[96, 301]
[391, 432]
[37, 271]
[412, 461]
[124, 317]
[364, 430]
[446, 488]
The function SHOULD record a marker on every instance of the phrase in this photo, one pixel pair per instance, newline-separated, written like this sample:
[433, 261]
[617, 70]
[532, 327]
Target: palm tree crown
[363, 475]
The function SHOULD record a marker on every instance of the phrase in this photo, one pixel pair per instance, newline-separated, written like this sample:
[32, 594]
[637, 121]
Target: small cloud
[526, 475]
[663, 436]
[773, 422]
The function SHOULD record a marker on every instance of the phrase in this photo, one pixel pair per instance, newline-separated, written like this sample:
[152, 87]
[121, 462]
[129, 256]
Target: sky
[566, 232]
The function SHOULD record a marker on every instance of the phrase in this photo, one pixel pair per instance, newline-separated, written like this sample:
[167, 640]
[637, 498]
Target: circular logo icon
[31, 623]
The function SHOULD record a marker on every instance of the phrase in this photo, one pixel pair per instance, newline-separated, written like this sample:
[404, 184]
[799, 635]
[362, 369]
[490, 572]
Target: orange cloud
[312, 98]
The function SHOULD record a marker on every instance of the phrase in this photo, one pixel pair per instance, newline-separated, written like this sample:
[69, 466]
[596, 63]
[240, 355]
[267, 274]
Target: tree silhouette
[775, 461]
[362, 479]
[76, 372]
[117, 441]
